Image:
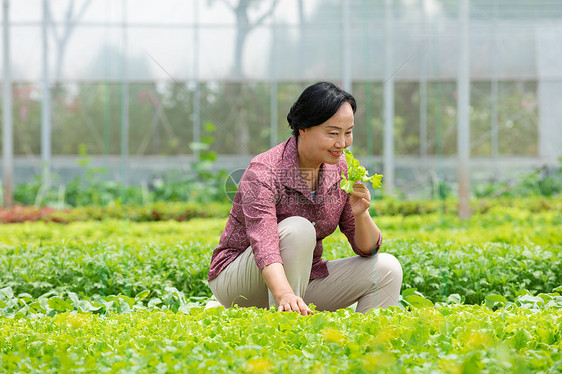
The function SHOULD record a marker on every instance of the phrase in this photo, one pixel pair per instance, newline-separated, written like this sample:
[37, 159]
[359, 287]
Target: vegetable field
[116, 296]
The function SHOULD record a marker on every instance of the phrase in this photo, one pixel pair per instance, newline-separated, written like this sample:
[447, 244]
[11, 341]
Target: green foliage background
[89, 114]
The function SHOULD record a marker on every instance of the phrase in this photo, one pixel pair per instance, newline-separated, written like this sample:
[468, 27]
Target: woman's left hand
[360, 199]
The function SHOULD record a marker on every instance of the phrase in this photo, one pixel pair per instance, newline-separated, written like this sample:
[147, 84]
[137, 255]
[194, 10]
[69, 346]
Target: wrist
[363, 214]
[283, 295]
[276, 281]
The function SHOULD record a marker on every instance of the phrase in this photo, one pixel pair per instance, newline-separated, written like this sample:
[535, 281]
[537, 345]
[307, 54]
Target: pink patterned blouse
[272, 189]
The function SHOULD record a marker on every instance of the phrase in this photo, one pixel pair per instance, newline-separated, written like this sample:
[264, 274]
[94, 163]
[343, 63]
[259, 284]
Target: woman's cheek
[328, 142]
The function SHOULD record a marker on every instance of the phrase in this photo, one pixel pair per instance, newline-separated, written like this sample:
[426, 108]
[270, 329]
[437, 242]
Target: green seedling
[357, 173]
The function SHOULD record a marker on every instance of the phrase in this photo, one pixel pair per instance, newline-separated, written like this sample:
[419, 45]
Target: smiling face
[326, 142]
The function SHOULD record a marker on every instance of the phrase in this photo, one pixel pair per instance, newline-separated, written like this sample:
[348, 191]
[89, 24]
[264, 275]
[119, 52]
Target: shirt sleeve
[258, 198]
[347, 226]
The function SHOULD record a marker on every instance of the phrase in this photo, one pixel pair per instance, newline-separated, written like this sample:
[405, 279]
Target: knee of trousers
[299, 230]
[388, 264]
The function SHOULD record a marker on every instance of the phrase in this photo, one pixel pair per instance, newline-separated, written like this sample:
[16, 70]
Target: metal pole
[494, 94]
[368, 85]
[7, 117]
[45, 101]
[124, 105]
[423, 115]
[463, 103]
[197, 90]
[389, 103]
[437, 110]
[495, 117]
[423, 92]
[369, 116]
[273, 105]
[106, 131]
[346, 48]
[273, 139]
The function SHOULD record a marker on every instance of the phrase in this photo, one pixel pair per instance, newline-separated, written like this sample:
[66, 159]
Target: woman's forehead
[339, 121]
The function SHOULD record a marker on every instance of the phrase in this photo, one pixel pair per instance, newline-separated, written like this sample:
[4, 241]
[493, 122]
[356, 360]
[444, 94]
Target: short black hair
[316, 104]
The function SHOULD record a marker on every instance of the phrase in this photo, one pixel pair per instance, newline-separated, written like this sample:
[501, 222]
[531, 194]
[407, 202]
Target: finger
[304, 308]
[361, 201]
[295, 307]
[358, 196]
[360, 191]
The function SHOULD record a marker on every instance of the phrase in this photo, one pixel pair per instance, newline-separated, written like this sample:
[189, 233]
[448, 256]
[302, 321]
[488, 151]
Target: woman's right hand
[274, 276]
[290, 302]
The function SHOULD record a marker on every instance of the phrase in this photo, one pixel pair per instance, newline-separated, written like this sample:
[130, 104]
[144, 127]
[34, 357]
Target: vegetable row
[437, 270]
[445, 339]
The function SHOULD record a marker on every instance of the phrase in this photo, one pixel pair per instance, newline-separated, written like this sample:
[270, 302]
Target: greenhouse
[281, 186]
[135, 86]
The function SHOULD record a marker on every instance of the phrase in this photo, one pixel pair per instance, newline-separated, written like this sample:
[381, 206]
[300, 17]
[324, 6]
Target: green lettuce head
[356, 173]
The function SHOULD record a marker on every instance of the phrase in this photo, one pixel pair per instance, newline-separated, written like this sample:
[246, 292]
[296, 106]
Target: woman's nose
[340, 142]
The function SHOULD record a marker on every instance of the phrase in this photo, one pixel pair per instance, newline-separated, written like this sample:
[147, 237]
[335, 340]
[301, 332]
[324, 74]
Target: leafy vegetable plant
[357, 173]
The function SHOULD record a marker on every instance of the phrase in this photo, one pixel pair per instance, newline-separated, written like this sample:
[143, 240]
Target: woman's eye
[334, 133]
[348, 133]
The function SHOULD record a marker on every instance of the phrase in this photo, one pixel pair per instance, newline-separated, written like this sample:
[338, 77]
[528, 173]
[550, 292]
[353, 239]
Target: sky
[161, 43]
[160, 37]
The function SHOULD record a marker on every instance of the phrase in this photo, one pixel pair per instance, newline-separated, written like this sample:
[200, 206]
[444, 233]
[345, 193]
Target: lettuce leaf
[357, 173]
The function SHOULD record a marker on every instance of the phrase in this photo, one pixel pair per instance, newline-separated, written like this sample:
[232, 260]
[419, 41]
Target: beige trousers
[368, 281]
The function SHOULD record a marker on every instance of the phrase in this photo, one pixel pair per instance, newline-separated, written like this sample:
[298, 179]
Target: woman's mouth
[335, 154]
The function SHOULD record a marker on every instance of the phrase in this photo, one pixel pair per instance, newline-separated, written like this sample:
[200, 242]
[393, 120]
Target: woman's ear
[301, 132]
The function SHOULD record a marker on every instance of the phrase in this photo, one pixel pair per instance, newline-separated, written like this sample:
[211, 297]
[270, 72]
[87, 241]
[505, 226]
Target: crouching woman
[288, 201]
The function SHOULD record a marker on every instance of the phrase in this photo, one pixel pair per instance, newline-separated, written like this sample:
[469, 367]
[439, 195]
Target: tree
[238, 94]
[244, 26]
[70, 20]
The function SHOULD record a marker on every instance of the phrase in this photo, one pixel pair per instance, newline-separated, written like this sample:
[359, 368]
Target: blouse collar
[291, 177]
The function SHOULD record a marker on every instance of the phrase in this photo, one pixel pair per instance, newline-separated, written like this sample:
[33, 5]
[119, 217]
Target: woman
[287, 202]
